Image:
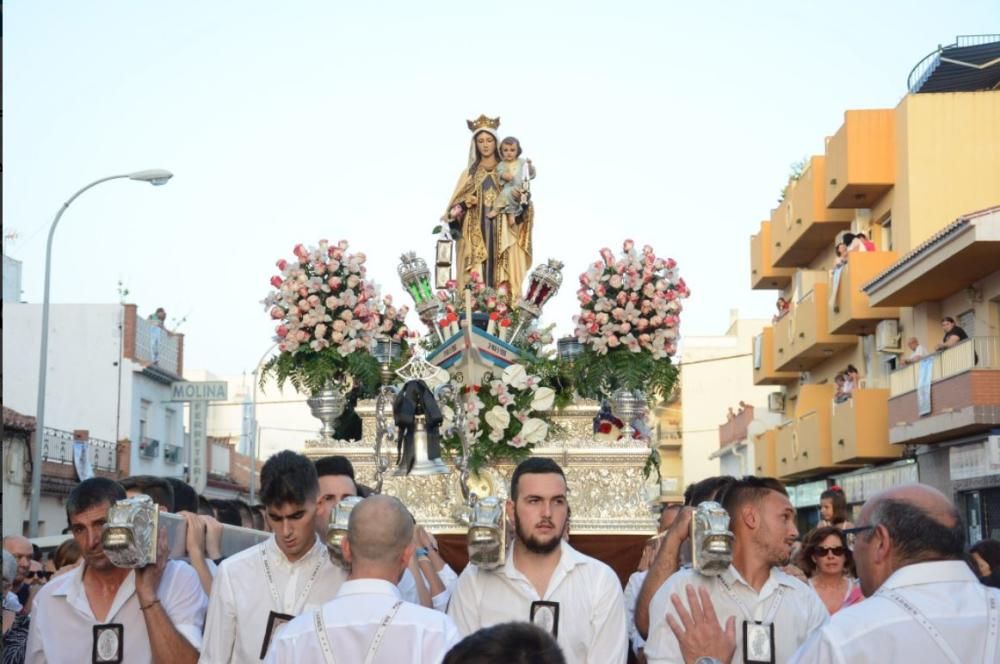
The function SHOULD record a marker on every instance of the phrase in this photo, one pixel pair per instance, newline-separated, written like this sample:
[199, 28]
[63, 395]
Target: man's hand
[194, 536]
[424, 538]
[701, 634]
[213, 536]
[147, 579]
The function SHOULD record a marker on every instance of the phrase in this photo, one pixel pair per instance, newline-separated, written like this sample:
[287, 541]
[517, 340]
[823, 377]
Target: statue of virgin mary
[498, 248]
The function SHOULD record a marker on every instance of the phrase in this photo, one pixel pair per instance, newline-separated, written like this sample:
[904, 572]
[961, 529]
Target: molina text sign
[209, 390]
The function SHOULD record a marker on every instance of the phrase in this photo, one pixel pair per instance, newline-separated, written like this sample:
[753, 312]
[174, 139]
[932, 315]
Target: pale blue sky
[672, 124]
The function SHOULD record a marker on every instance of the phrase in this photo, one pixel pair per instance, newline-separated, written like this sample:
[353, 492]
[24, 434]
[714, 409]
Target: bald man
[924, 603]
[368, 621]
[20, 592]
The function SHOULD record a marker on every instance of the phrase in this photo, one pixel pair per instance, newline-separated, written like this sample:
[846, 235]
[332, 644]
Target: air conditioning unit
[776, 402]
[887, 336]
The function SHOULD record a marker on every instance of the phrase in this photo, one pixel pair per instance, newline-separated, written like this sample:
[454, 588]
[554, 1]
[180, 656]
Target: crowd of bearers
[917, 594]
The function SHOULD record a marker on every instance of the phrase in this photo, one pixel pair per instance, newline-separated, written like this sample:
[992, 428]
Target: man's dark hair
[337, 465]
[510, 643]
[258, 517]
[534, 466]
[949, 319]
[916, 535]
[334, 465]
[185, 497]
[205, 506]
[988, 550]
[288, 478]
[91, 493]
[243, 509]
[707, 489]
[749, 489]
[226, 512]
[156, 488]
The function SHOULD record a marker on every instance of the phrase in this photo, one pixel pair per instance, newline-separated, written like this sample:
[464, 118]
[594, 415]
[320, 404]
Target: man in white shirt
[368, 621]
[667, 517]
[155, 613]
[917, 352]
[924, 603]
[258, 590]
[546, 581]
[336, 482]
[767, 613]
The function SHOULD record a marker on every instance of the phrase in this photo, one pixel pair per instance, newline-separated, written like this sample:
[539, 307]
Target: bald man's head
[379, 530]
[922, 523]
[19, 547]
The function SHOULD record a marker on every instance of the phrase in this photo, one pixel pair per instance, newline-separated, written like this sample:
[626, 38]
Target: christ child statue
[514, 174]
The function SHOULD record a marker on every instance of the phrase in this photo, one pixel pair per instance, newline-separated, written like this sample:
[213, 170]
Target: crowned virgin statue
[490, 214]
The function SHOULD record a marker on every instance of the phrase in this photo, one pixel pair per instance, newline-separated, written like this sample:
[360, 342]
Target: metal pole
[36, 452]
[255, 437]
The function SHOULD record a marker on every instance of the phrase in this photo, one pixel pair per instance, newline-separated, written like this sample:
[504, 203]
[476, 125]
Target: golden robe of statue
[498, 248]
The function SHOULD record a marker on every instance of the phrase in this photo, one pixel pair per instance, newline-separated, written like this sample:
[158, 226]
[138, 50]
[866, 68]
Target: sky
[672, 124]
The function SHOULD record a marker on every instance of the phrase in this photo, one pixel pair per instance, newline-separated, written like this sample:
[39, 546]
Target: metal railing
[923, 69]
[57, 447]
[155, 345]
[172, 453]
[973, 353]
[149, 447]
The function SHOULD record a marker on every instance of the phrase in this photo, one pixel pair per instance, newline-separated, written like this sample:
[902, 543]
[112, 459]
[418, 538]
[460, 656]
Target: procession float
[447, 411]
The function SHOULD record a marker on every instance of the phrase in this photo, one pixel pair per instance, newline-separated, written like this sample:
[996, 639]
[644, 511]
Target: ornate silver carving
[129, 537]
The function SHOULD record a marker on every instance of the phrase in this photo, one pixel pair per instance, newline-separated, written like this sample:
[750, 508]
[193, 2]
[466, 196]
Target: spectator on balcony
[852, 379]
[952, 334]
[858, 242]
[840, 395]
[917, 352]
[783, 307]
[841, 260]
[156, 332]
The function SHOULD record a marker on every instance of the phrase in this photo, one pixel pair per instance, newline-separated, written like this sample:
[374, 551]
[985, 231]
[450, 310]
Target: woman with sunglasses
[828, 563]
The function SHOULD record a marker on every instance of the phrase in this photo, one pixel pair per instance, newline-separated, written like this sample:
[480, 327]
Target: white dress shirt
[949, 596]
[62, 622]
[408, 588]
[632, 589]
[416, 634]
[242, 600]
[591, 607]
[800, 612]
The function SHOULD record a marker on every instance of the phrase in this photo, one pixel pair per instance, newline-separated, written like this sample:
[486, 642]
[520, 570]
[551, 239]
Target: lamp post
[255, 438]
[154, 176]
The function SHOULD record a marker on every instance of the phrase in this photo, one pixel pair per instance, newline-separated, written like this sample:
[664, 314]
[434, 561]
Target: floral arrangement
[327, 317]
[504, 418]
[629, 322]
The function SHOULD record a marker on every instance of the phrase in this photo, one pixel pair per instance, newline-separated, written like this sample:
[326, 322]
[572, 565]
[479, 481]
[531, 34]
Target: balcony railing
[973, 353]
[57, 447]
[149, 447]
[172, 453]
[155, 345]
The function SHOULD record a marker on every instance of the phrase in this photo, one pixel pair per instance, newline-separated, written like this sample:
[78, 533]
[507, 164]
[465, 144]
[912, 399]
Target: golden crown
[483, 122]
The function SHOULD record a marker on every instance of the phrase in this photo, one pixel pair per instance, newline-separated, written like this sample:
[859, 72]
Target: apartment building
[922, 182]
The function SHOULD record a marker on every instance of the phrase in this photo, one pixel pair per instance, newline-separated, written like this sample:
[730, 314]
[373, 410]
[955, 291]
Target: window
[144, 406]
[886, 224]
[967, 321]
[170, 419]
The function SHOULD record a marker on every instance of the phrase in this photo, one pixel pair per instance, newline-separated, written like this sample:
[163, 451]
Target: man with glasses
[924, 603]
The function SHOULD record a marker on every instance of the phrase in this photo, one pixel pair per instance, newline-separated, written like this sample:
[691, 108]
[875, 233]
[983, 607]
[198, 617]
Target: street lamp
[255, 439]
[156, 176]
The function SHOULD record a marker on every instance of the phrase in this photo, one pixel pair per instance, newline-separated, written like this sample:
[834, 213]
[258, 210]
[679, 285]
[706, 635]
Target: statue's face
[486, 144]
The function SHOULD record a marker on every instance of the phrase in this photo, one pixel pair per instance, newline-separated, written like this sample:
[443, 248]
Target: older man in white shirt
[766, 611]
[258, 590]
[368, 621]
[151, 614]
[924, 603]
[545, 580]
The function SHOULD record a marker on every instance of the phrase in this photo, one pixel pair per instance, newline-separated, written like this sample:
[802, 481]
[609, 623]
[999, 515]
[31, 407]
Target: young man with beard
[152, 614]
[260, 589]
[767, 613]
[576, 598]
